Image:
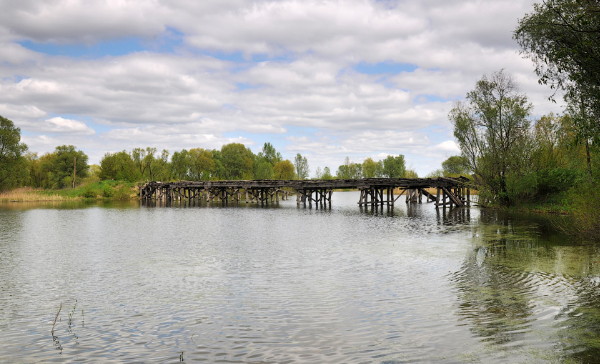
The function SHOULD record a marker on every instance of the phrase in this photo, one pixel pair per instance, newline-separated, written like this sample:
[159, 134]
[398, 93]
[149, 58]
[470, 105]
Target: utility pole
[74, 170]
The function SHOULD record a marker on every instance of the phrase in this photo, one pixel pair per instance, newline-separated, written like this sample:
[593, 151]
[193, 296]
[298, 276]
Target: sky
[328, 79]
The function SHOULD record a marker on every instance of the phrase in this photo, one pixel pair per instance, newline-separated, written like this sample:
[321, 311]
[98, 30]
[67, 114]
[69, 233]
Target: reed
[28, 194]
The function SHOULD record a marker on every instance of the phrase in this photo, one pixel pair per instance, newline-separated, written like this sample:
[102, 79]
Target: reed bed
[28, 194]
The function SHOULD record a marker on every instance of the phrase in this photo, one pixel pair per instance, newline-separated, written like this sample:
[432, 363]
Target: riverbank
[97, 190]
[580, 209]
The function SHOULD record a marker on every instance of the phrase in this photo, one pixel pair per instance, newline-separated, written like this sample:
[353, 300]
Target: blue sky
[327, 79]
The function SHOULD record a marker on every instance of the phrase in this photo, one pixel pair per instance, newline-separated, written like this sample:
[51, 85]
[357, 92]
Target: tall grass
[109, 190]
[28, 194]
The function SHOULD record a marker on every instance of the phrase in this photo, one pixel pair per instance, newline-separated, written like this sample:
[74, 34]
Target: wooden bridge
[374, 192]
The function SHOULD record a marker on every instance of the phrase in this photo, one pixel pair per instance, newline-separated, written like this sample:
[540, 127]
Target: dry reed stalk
[28, 194]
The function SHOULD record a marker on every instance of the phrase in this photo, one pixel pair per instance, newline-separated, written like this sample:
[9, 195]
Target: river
[128, 283]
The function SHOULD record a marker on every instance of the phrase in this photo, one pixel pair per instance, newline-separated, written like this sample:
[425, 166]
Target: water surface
[286, 284]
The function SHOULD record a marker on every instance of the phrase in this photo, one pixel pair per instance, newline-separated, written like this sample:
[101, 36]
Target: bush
[89, 192]
[122, 192]
[555, 180]
[521, 188]
[586, 214]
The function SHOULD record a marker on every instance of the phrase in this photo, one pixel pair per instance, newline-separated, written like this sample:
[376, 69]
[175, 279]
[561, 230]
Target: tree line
[67, 166]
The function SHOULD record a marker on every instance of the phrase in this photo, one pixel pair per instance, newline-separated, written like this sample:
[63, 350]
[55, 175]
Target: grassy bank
[109, 190]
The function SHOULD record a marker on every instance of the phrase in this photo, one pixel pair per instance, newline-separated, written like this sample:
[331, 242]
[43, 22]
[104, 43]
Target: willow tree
[492, 130]
[562, 38]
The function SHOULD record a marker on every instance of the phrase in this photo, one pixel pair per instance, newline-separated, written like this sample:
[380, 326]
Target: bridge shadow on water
[441, 216]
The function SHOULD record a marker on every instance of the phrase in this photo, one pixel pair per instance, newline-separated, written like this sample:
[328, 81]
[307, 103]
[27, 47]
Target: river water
[284, 284]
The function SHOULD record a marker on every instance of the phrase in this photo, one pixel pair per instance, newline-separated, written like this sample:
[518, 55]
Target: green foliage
[323, 174]
[492, 129]
[65, 167]
[554, 180]
[263, 169]
[269, 154]
[301, 164]
[521, 187]
[284, 170]
[394, 167]
[455, 165]
[372, 169]
[349, 170]
[119, 166]
[109, 189]
[561, 37]
[411, 174]
[237, 162]
[436, 173]
[150, 165]
[586, 214]
[265, 162]
[12, 162]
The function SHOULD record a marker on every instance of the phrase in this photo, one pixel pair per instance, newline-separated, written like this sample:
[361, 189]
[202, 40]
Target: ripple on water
[278, 285]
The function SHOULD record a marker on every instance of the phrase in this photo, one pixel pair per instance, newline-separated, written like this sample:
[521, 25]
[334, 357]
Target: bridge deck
[318, 191]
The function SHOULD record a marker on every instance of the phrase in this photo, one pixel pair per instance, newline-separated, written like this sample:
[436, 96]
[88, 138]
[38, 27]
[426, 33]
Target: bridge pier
[320, 196]
[373, 191]
[377, 196]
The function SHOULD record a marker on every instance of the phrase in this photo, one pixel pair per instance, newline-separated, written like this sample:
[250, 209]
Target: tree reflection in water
[520, 281]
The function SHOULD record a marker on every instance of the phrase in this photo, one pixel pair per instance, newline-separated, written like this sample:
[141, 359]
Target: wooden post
[74, 170]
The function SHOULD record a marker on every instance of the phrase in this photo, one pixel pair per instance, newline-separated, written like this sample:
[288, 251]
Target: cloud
[204, 73]
[62, 125]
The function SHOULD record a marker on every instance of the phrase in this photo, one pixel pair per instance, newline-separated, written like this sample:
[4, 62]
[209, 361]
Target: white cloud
[62, 125]
[305, 79]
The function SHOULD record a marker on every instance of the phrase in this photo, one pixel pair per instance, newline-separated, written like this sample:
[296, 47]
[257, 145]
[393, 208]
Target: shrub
[553, 180]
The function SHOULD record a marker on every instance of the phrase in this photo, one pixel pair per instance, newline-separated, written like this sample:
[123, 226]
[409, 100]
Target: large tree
[562, 38]
[301, 164]
[371, 169]
[237, 161]
[454, 165]
[492, 129]
[394, 167]
[65, 167]
[11, 154]
[284, 170]
[119, 166]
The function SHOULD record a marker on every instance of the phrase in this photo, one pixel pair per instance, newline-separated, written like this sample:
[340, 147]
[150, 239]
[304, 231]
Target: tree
[301, 164]
[270, 154]
[152, 167]
[411, 174]
[561, 37]
[284, 170]
[371, 169]
[202, 164]
[119, 166]
[349, 170]
[65, 167]
[11, 154]
[237, 161]
[394, 167]
[492, 129]
[181, 165]
[263, 169]
[454, 165]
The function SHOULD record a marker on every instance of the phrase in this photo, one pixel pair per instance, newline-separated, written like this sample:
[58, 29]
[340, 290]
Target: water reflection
[515, 283]
[454, 216]
[289, 284]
